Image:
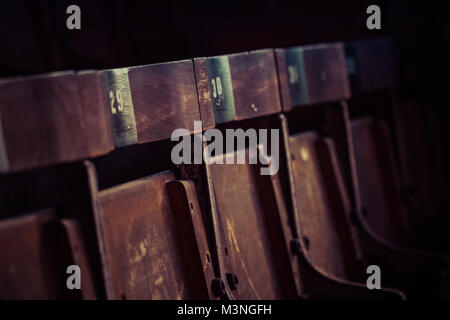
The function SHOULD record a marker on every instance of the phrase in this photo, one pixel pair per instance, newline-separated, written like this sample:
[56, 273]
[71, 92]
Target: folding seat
[418, 274]
[322, 206]
[409, 180]
[150, 233]
[36, 251]
[148, 244]
[313, 80]
[250, 218]
[371, 76]
[245, 207]
[46, 121]
[383, 207]
[52, 118]
[385, 213]
[252, 211]
[143, 104]
[372, 142]
[379, 144]
[378, 180]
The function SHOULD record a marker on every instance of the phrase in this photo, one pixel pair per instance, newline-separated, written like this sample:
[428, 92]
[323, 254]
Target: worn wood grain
[254, 84]
[253, 232]
[323, 206]
[164, 98]
[52, 118]
[142, 250]
[283, 79]
[204, 93]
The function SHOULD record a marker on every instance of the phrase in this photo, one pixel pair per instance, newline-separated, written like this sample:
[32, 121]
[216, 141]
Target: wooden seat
[259, 232]
[386, 218]
[244, 87]
[36, 250]
[250, 217]
[404, 199]
[378, 180]
[147, 250]
[323, 206]
[330, 267]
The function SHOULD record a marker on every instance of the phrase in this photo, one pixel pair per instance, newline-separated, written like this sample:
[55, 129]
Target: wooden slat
[164, 98]
[52, 118]
[322, 205]
[204, 93]
[251, 221]
[378, 179]
[312, 74]
[149, 102]
[370, 64]
[252, 83]
[96, 120]
[142, 250]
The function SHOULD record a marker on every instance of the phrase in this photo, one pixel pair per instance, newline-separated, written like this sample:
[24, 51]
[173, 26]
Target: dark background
[121, 33]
